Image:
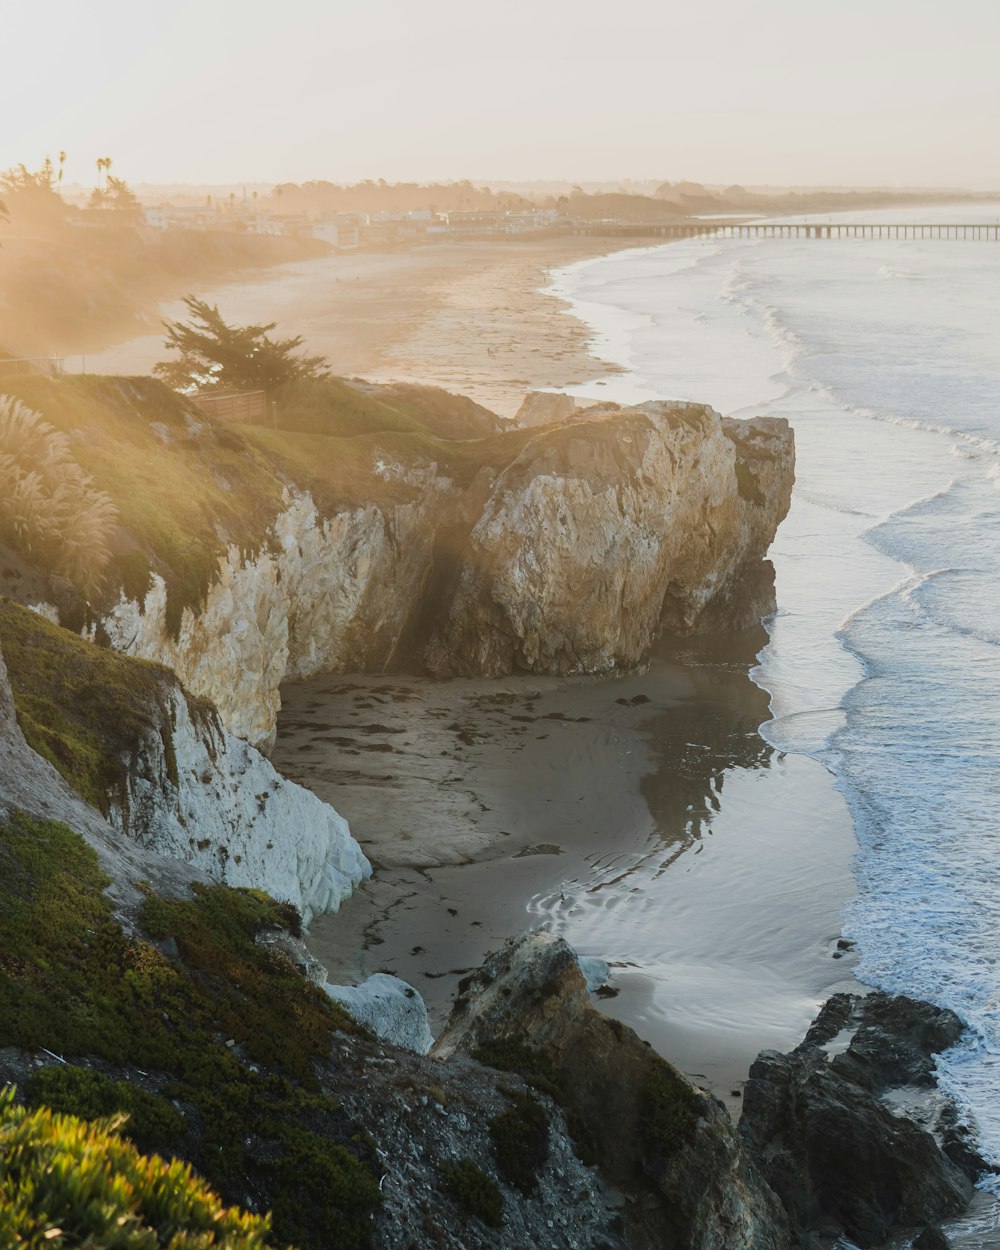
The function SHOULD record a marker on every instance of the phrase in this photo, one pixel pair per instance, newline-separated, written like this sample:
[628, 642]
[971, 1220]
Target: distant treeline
[670, 201]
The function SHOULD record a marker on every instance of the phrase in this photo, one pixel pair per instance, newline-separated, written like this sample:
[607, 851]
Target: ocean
[883, 659]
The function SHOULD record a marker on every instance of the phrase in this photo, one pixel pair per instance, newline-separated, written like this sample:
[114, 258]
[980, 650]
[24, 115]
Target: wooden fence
[248, 407]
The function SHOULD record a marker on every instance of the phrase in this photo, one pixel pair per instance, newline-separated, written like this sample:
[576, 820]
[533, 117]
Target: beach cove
[686, 816]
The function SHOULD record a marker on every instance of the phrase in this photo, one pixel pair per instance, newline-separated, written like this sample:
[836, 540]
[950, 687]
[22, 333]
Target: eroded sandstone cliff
[161, 769]
[604, 532]
[563, 549]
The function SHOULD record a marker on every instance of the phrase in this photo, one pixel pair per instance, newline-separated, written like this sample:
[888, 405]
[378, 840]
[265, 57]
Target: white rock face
[31, 784]
[221, 807]
[330, 595]
[597, 535]
[595, 971]
[391, 1008]
[603, 532]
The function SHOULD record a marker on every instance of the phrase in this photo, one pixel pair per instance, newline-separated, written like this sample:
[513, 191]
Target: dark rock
[896, 1041]
[669, 1147]
[829, 1148]
[932, 1238]
[959, 1144]
[832, 1019]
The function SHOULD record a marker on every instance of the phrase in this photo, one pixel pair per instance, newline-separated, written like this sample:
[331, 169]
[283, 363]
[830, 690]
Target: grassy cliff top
[186, 487]
[82, 707]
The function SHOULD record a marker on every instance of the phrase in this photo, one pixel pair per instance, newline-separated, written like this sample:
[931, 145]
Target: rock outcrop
[404, 529]
[545, 408]
[391, 1008]
[667, 1144]
[603, 533]
[324, 595]
[836, 1124]
[31, 784]
[567, 552]
[215, 802]
[164, 772]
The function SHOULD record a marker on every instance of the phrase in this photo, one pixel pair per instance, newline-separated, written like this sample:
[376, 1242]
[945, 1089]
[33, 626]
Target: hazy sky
[782, 91]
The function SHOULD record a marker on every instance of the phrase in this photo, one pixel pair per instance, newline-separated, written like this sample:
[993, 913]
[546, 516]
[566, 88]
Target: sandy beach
[641, 817]
[465, 315]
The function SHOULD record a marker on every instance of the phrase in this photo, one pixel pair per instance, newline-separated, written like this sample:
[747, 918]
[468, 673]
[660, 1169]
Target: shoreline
[471, 316]
[641, 817]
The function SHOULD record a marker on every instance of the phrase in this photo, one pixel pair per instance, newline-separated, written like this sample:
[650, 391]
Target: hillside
[70, 285]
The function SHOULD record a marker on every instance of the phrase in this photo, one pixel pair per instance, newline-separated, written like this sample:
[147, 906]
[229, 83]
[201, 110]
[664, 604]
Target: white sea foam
[884, 659]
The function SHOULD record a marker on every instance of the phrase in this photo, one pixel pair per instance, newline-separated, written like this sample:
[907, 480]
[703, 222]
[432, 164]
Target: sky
[844, 92]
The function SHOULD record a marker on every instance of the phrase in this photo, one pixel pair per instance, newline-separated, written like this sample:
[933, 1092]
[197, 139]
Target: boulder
[668, 1145]
[831, 1149]
[544, 408]
[391, 1008]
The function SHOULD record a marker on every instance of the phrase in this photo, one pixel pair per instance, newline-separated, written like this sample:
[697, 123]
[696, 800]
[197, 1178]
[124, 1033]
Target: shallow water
[642, 817]
[883, 661]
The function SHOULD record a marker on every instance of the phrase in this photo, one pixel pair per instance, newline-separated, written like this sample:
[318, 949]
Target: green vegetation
[474, 1191]
[183, 486]
[670, 1110]
[84, 708]
[339, 409]
[217, 356]
[231, 1033]
[521, 1141]
[153, 1123]
[64, 1183]
[49, 507]
[541, 1071]
[537, 1066]
[186, 488]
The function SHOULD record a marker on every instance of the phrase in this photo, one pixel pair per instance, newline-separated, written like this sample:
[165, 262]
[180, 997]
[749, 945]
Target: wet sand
[641, 817]
[466, 315]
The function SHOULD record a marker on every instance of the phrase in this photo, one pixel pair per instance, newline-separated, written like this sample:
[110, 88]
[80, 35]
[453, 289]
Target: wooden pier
[971, 231]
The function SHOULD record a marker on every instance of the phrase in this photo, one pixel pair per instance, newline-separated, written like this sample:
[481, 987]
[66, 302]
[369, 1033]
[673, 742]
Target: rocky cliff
[669, 1146]
[254, 555]
[604, 532]
[164, 773]
[850, 1130]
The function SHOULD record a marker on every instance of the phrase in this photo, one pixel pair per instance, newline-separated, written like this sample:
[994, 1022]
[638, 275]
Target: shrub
[473, 1190]
[670, 1109]
[49, 507]
[151, 1123]
[67, 1183]
[73, 981]
[521, 1141]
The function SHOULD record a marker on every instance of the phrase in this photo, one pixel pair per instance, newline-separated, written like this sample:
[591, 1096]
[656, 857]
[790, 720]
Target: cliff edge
[243, 556]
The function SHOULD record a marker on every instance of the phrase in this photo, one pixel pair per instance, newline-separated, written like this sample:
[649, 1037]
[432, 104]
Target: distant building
[340, 230]
[474, 221]
[478, 221]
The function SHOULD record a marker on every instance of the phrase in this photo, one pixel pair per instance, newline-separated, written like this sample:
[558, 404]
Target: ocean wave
[913, 743]
[953, 582]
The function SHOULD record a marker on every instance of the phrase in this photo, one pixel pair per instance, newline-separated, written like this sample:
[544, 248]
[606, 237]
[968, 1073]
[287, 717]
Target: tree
[33, 193]
[117, 197]
[214, 355]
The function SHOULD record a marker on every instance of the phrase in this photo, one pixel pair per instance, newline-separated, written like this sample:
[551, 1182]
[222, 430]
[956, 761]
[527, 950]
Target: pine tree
[214, 355]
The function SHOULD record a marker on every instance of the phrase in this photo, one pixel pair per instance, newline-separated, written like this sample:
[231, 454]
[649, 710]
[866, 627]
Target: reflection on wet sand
[642, 817]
